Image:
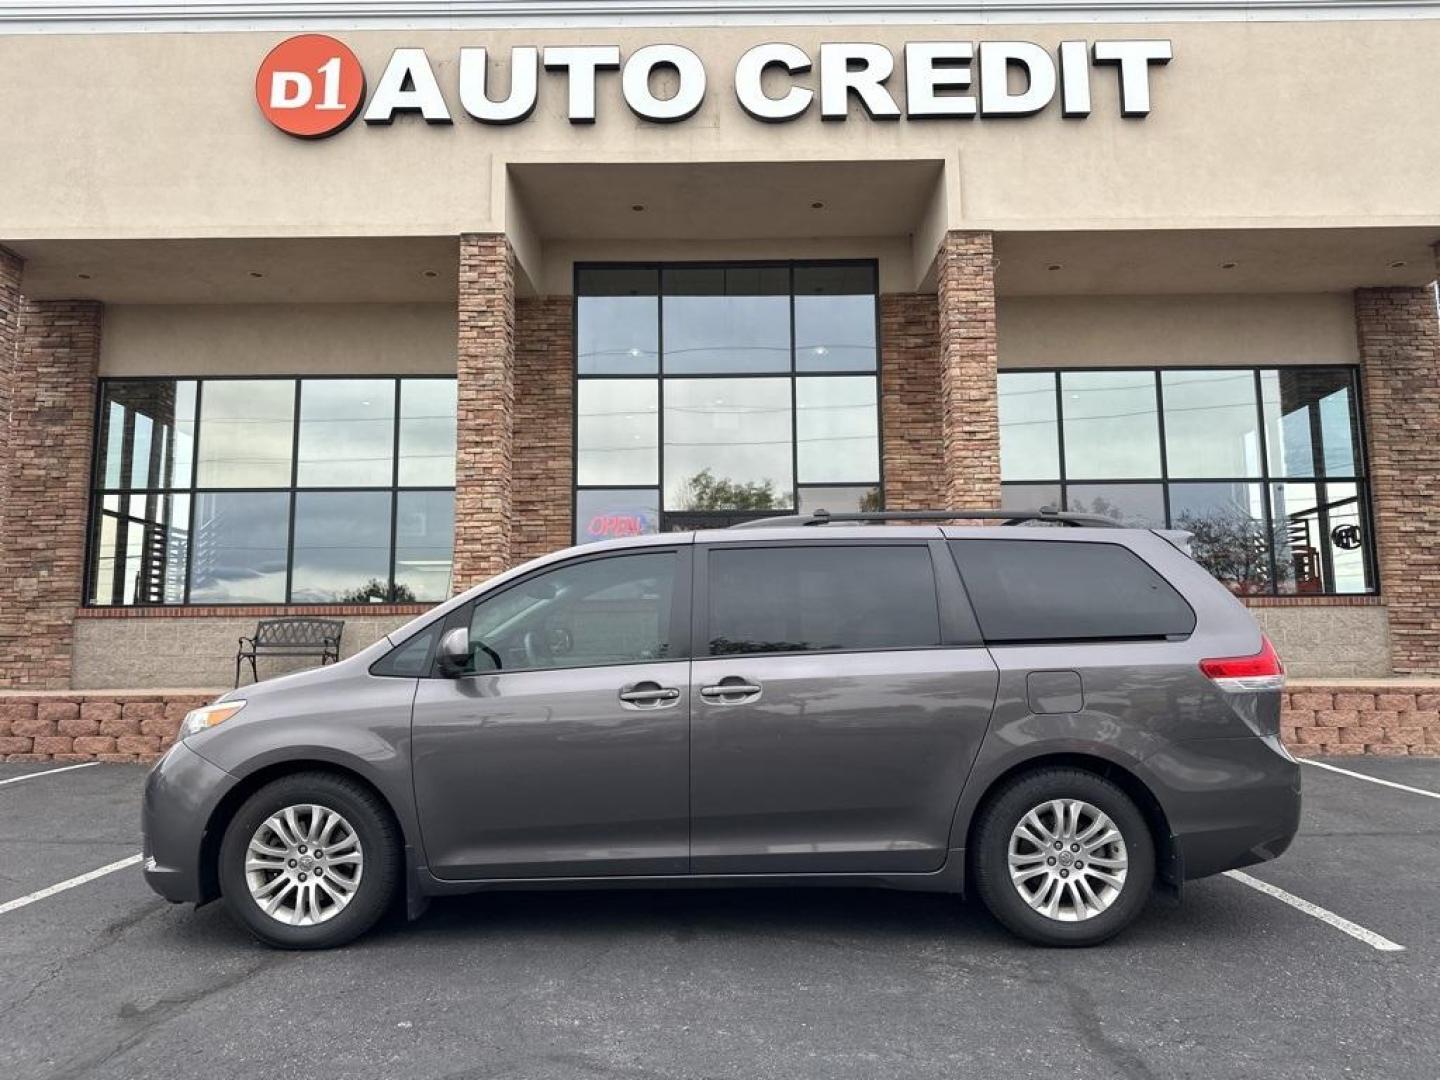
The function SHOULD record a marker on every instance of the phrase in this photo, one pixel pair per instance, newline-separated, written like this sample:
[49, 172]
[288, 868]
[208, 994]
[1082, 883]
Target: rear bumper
[181, 792]
[1230, 802]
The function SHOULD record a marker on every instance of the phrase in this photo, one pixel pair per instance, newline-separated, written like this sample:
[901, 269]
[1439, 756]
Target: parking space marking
[1355, 930]
[47, 772]
[51, 890]
[1372, 779]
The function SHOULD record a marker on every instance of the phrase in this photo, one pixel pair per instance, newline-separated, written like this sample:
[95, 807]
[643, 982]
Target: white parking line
[1369, 937]
[47, 772]
[1372, 779]
[26, 901]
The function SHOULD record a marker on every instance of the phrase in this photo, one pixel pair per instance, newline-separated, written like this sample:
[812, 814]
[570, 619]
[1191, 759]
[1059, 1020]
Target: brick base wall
[84, 727]
[1320, 719]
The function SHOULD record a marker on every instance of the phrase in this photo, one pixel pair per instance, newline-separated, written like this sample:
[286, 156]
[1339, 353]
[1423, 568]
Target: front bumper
[181, 793]
[1230, 802]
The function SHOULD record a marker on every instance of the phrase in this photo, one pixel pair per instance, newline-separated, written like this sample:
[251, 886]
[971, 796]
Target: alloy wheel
[303, 865]
[1068, 860]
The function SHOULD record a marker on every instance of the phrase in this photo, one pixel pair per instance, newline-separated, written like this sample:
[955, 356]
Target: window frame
[460, 616]
[660, 376]
[193, 489]
[958, 626]
[1360, 477]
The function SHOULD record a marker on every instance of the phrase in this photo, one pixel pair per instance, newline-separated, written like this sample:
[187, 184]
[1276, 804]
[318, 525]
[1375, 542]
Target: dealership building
[338, 309]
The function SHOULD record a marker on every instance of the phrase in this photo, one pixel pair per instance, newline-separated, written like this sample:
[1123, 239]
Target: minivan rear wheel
[1063, 857]
[310, 861]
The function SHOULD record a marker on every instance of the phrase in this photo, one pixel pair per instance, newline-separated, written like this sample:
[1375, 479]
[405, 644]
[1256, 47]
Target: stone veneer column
[11, 268]
[1399, 337]
[544, 426]
[42, 536]
[485, 411]
[913, 446]
[969, 405]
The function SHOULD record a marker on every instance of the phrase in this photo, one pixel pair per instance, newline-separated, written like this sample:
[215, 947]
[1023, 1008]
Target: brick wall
[42, 546]
[485, 408]
[1399, 338]
[544, 433]
[969, 403]
[912, 439]
[1385, 718]
[11, 268]
[80, 727]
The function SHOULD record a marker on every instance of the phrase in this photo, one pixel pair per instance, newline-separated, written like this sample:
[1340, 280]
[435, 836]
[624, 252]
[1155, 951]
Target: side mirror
[455, 652]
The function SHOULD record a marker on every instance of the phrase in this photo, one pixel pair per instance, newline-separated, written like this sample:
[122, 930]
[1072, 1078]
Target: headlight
[198, 720]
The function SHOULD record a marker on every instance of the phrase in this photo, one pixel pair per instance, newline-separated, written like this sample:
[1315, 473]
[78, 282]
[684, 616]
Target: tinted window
[801, 599]
[410, 660]
[606, 611]
[1038, 591]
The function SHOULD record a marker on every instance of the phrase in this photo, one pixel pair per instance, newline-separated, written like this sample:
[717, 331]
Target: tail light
[1237, 674]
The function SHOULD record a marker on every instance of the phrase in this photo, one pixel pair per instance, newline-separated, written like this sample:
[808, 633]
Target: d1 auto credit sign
[312, 85]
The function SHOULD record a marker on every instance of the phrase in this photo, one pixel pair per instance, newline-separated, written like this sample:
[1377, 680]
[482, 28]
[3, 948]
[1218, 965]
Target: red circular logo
[310, 86]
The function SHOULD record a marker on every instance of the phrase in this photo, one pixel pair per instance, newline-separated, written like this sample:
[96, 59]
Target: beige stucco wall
[1210, 330]
[1329, 642]
[1254, 124]
[288, 339]
[190, 652]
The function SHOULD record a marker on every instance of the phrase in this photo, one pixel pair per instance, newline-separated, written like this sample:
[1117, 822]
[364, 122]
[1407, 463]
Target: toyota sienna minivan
[1059, 719]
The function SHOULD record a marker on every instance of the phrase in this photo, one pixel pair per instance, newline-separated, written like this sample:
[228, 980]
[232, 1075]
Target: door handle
[664, 693]
[728, 691]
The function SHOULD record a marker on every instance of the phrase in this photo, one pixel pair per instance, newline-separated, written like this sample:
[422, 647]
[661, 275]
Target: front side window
[1263, 467]
[824, 598]
[616, 610]
[273, 491]
[707, 393]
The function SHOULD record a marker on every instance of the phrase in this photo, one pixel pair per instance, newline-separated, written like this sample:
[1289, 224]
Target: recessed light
[1397, 264]
[1055, 266]
[638, 208]
[1228, 265]
[86, 277]
[256, 273]
[817, 206]
[431, 273]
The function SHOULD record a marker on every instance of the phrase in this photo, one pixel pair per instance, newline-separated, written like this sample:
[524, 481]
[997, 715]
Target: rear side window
[806, 599]
[1028, 591]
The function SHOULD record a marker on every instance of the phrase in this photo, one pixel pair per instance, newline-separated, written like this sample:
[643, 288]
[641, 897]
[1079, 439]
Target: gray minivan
[1059, 719]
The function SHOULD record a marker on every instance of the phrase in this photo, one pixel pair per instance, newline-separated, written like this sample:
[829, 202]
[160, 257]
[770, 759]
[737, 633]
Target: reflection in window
[1029, 426]
[342, 547]
[837, 435]
[614, 513]
[170, 525]
[727, 444]
[618, 431]
[1212, 427]
[247, 430]
[835, 318]
[839, 500]
[726, 320]
[1111, 424]
[347, 432]
[424, 545]
[618, 321]
[240, 548]
[1278, 507]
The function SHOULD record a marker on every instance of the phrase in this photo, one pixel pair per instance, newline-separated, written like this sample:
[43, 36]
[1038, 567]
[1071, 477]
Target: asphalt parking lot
[104, 979]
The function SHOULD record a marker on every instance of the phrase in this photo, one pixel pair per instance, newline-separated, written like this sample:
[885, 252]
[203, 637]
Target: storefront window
[759, 393]
[1210, 451]
[272, 491]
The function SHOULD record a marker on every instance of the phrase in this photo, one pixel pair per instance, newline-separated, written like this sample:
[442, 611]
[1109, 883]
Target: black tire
[379, 840]
[990, 862]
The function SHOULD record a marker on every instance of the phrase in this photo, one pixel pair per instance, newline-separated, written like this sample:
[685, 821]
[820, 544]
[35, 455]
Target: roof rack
[1006, 517]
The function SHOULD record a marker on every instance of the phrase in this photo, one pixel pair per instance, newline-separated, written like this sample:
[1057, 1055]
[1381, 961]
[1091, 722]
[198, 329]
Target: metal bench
[290, 637]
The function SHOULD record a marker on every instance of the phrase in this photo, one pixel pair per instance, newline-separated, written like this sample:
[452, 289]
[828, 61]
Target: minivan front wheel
[1064, 857]
[310, 861]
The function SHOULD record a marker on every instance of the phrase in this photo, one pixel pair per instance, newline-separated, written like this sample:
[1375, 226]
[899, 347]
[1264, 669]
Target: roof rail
[1005, 517]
